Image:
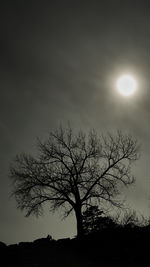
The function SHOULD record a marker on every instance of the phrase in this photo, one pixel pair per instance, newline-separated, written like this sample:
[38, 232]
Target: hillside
[111, 247]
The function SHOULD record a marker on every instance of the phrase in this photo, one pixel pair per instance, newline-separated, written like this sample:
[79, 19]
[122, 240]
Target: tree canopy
[74, 171]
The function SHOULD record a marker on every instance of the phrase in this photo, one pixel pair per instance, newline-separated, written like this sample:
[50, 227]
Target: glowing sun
[126, 85]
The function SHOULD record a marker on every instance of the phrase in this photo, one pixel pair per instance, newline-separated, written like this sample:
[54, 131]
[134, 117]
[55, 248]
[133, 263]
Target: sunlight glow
[126, 85]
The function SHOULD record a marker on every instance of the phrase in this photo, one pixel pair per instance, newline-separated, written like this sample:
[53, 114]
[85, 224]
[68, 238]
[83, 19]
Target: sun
[126, 85]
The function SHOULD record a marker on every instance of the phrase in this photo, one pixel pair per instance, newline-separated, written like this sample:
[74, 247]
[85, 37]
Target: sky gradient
[59, 63]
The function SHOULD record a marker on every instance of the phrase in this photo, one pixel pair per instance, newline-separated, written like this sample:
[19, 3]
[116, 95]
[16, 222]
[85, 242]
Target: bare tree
[74, 171]
[131, 219]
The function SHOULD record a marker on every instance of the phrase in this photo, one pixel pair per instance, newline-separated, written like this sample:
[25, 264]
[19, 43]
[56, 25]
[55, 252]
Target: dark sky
[59, 62]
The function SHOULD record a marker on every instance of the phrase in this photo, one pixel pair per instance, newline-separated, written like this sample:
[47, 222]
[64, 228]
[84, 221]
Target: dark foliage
[94, 220]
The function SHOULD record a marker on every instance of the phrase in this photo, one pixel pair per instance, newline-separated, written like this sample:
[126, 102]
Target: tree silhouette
[74, 171]
[94, 220]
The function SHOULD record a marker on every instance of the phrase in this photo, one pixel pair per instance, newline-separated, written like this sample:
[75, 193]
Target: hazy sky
[59, 62]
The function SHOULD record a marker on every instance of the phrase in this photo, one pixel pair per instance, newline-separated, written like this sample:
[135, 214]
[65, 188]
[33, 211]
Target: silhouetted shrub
[94, 220]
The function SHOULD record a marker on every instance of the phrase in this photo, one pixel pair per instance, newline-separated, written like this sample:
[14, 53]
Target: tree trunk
[79, 221]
